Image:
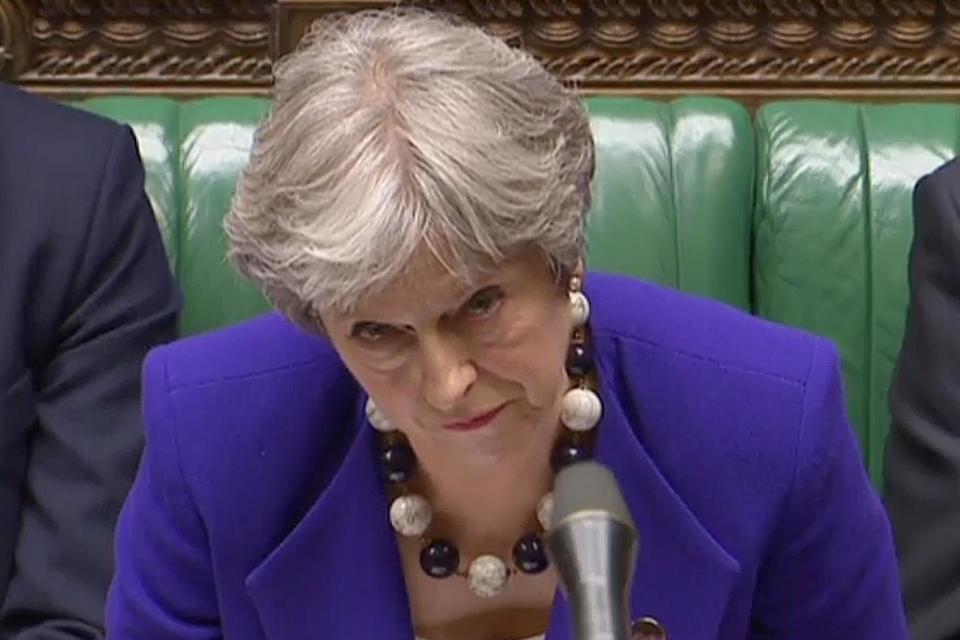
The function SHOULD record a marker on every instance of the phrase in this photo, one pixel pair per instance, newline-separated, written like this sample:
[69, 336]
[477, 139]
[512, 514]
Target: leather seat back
[801, 214]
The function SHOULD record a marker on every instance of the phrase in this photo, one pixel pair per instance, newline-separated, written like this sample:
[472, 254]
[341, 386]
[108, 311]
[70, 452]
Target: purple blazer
[258, 511]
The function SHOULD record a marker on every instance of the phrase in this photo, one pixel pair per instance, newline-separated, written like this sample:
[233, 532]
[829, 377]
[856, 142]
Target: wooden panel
[150, 46]
[752, 50]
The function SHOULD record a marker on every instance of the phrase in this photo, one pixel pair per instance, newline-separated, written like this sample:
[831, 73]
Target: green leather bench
[800, 213]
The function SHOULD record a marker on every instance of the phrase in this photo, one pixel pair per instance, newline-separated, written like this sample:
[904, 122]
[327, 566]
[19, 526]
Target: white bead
[581, 409]
[545, 511]
[581, 308]
[410, 515]
[376, 418]
[487, 576]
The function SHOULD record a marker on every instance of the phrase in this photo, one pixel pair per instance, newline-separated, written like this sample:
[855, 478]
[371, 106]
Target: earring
[578, 303]
[581, 407]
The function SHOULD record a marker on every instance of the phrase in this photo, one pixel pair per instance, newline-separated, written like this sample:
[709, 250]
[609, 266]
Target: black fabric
[923, 453]
[85, 291]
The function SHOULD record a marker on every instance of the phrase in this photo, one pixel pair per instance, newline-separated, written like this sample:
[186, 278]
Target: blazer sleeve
[163, 588]
[121, 301]
[830, 572]
[923, 454]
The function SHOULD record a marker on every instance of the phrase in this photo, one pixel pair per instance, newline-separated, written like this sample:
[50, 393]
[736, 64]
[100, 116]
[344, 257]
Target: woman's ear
[570, 274]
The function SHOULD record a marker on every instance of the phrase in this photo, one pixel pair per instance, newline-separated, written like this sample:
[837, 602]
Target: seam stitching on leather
[868, 337]
[180, 198]
[674, 209]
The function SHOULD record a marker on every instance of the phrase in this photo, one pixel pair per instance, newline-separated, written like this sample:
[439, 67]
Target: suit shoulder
[41, 120]
[254, 418]
[935, 198]
[85, 157]
[937, 190]
[946, 175]
[257, 347]
[699, 380]
[698, 329]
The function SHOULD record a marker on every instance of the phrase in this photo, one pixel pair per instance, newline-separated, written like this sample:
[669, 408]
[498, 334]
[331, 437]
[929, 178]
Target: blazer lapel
[683, 577]
[338, 573]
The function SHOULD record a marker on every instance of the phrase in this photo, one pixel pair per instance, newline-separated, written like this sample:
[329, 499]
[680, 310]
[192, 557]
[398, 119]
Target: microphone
[592, 543]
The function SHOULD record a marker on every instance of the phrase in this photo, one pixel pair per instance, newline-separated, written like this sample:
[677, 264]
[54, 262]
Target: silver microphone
[592, 543]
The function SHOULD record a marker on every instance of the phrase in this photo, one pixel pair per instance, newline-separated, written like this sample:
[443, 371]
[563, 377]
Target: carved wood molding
[92, 46]
[748, 48]
[13, 24]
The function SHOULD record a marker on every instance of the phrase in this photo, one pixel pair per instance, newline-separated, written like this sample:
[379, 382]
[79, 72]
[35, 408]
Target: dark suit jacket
[85, 291]
[923, 454]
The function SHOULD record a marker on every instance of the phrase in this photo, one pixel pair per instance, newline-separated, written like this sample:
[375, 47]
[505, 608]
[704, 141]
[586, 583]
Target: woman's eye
[370, 332]
[484, 304]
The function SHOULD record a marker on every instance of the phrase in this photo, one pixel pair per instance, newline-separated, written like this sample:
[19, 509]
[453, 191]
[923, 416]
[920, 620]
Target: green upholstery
[673, 194]
[192, 153]
[800, 213]
[832, 229]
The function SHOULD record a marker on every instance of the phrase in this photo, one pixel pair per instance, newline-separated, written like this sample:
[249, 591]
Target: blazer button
[647, 628]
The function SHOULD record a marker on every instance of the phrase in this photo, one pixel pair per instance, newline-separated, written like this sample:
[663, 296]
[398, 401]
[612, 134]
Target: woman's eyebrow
[358, 319]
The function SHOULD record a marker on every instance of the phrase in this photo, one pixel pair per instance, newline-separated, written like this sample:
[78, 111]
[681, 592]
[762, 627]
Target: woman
[376, 460]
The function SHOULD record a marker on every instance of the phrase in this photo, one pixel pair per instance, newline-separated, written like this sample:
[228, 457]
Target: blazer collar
[683, 577]
[338, 573]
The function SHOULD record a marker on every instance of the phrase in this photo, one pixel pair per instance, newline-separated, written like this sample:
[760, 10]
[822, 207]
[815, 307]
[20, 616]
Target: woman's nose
[448, 372]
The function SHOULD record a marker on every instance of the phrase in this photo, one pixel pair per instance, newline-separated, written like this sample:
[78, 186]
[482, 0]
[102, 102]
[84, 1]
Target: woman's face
[481, 369]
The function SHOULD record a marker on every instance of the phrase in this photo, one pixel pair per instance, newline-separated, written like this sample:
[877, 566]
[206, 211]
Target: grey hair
[395, 130]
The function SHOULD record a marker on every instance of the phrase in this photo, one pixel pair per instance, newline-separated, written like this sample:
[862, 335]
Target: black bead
[529, 554]
[579, 360]
[397, 462]
[440, 559]
[566, 454]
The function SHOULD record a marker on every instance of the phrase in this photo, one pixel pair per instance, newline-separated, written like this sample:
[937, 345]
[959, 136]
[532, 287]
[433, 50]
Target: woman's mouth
[476, 422]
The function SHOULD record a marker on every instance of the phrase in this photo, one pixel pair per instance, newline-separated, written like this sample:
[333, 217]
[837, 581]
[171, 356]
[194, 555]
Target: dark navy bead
[566, 454]
[579, 360]
[397, 462]
[440, 559]
[529, 554]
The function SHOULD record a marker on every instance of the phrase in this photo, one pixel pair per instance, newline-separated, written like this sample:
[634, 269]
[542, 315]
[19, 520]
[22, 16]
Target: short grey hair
[395, 130]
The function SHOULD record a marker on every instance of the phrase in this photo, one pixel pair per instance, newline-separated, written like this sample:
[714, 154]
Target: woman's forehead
[429, 289]
[426, 288]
